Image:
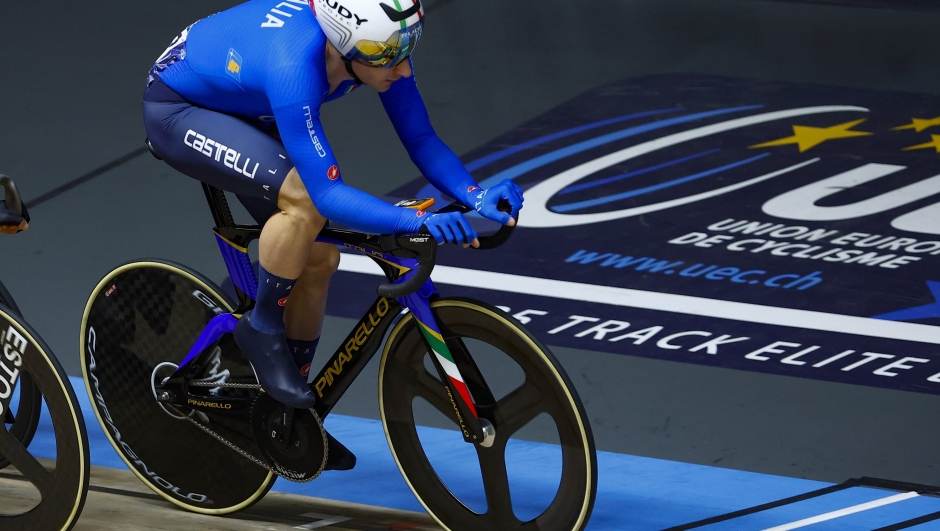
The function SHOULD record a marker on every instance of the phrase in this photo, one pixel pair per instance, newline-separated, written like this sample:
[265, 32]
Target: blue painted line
[642, 171]
[655, 187]
[499, 155]
[648, 494]
[548, 158]
[636, 493]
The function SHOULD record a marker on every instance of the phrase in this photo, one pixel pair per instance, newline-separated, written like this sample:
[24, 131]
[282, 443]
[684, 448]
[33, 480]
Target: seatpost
[221, 213]
[233, 242]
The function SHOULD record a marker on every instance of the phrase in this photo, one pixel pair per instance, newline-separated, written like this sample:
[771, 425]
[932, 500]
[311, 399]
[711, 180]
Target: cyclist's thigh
[214, 147]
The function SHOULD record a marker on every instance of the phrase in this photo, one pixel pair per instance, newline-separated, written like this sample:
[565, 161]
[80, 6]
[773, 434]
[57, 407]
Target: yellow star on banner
[810, 137]
[935, 143]
[919, 124]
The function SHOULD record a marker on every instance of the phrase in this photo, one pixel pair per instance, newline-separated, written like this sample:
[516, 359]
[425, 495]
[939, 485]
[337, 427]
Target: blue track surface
[634, 493]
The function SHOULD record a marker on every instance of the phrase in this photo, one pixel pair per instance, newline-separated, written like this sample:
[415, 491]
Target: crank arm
[171, 393]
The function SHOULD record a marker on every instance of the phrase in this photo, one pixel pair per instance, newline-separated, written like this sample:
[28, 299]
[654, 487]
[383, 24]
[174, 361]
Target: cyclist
[234, 101]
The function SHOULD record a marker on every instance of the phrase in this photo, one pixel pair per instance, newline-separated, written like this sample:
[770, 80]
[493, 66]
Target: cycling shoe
[273, 364]
[339, 457]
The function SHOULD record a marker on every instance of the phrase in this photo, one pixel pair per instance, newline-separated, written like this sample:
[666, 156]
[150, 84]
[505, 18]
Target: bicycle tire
[141, 315]
[29, 407]
[62, 490]
[403, 377]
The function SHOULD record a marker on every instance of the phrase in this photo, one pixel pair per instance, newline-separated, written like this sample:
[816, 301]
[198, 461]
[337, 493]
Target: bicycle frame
[397, 260]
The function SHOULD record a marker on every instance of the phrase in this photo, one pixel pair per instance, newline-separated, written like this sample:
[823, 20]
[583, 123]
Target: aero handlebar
[13, 202]
[425, 248]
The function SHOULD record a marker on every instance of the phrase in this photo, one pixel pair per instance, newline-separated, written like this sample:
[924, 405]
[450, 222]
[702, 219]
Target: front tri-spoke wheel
[21, 421]
[520, 388]
[48, 482]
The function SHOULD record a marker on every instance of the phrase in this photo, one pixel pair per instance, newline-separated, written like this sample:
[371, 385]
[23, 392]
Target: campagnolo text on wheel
[206, 399]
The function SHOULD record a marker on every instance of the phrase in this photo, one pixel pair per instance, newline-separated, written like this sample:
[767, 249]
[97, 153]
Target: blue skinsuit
[253, 62]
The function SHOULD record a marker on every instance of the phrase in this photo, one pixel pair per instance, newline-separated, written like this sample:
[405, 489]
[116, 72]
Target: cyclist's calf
[293, 232]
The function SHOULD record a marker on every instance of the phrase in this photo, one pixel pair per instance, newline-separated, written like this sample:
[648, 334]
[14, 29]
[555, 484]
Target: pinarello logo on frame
[420, 213]
[472, 189]
[333, 172]
[282, 302]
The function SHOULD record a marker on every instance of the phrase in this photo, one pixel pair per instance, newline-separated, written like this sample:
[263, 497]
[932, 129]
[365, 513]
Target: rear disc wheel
[140, 322]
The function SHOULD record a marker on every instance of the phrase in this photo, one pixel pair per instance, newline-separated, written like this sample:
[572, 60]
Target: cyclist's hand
[11, 223]
[452, 227]
[486, 202]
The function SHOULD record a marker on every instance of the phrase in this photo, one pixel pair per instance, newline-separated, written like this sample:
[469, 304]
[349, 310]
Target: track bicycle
[183, 408]
[29, 375]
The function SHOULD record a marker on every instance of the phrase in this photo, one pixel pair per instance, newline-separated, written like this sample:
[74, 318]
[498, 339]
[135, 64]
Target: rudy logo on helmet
[371, 32]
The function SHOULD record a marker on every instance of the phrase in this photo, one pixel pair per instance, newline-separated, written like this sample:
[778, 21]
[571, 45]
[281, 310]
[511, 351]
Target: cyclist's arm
[298, 124]
[439, 164]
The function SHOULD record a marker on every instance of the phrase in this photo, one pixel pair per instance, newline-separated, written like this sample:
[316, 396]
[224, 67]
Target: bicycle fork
[461, 377]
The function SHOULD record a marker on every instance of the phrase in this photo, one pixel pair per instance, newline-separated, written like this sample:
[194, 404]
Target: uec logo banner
[764, 203]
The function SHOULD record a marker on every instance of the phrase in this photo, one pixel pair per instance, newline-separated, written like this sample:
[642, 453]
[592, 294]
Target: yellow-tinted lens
[374, 53]
[390, 52]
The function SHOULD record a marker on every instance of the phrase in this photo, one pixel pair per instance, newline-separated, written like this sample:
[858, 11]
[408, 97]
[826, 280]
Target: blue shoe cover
[274, 365]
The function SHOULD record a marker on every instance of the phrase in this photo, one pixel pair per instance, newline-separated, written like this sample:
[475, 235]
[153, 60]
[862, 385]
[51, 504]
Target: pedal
[338, 456]
[292, 441]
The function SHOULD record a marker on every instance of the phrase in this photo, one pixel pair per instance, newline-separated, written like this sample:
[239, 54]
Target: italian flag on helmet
[378, 33]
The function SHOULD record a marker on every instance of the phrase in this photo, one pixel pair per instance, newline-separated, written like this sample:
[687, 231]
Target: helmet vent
[398, 16]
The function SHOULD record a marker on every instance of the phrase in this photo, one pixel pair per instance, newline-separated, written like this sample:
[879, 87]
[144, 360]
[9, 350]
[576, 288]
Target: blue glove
[450, 227]
[486, 202]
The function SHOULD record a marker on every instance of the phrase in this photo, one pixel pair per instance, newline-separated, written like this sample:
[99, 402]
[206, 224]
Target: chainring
[299, 457]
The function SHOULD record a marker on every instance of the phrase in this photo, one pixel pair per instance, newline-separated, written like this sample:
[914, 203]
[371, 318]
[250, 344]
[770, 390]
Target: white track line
[667, 302]
[844, 512]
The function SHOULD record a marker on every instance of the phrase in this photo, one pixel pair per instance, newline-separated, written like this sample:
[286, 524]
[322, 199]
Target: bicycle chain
[194, 383]
[223, 440]
[235, 447]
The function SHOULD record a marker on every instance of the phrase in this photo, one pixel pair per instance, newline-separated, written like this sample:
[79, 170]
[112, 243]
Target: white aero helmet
[378, 33]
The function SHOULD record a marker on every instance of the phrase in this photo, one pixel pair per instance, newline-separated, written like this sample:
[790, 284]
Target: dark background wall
[71, 77]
